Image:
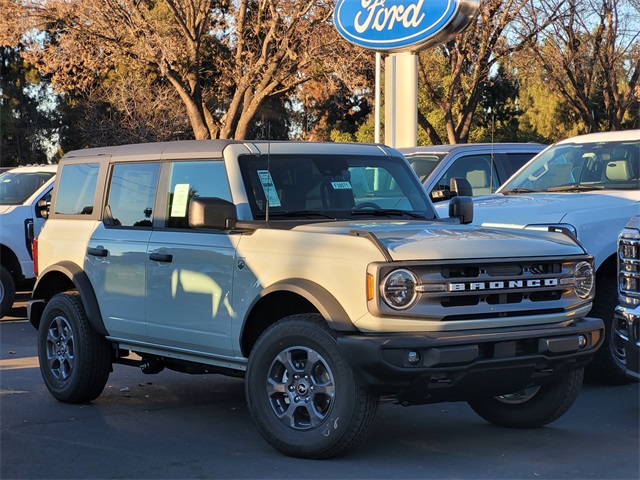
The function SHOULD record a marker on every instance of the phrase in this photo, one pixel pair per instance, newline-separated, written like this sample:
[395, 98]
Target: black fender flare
[318, 296]
[45, 288]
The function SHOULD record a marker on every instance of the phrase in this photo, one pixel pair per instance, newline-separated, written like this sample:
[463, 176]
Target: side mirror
[207, 212]
[42, 208]
[461, 208]
[460, 187]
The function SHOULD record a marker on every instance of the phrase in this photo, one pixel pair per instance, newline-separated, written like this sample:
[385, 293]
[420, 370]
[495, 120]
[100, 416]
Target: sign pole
[377, 97]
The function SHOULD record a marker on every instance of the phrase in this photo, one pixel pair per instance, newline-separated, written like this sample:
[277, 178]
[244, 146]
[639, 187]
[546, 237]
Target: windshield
[333, 186]
[15, 188]
[580, 167]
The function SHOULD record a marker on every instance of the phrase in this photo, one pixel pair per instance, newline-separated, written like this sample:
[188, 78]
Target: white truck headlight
[398, 289]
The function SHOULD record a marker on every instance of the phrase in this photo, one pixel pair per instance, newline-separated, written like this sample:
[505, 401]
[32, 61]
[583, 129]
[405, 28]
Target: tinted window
[132, 194]
[77, 189]
[194, 179]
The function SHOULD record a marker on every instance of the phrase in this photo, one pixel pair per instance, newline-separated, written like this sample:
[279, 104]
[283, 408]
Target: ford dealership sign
[402, 25]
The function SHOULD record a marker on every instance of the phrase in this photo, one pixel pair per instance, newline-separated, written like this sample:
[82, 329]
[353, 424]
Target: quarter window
[77, 189]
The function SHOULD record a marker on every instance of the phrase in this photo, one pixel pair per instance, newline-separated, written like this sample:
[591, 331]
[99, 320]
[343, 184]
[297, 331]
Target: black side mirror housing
[462, 209]
[216, 213]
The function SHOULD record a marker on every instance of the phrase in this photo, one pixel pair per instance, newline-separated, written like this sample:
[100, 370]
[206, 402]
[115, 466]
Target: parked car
[484, 165]
[21, 189]
[626, 327]
[588, 185]
[319, 273]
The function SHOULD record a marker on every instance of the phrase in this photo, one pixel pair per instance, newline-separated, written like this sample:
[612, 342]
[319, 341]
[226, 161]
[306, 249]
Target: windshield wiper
[385, 212]
[519, 190]
[575, 188]
[298, 213]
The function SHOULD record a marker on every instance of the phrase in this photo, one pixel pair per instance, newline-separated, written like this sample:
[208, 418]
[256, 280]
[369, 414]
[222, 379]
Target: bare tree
[222, 58]
[591, 56]
[453, 75]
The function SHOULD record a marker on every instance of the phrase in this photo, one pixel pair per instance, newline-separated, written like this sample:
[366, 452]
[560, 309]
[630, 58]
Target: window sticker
[341, 185]
[180, 200]
[269, 188]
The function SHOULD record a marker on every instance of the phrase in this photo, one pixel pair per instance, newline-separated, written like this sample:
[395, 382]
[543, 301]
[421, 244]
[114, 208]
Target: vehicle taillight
[35, 255]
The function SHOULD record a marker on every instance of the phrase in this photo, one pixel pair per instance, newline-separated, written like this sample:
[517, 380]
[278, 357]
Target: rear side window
[77, 189]
[132, 194]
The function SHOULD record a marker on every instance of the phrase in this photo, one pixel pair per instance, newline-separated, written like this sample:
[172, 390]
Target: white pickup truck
[21, 189]
[588, 185]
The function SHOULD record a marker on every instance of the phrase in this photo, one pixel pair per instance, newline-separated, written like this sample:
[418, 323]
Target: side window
[517, 160]
[194, 179]
[477, 169]
[76, 189]
[132, 194]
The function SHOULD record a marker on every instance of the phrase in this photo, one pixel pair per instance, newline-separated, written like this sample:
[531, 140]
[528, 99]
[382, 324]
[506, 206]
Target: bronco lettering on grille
[503, 285]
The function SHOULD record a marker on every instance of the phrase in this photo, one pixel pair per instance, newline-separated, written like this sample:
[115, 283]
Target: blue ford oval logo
[402, 25]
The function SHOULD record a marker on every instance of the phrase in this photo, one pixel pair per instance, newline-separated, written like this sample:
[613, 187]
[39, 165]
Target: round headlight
[584, 279]
[399, 289]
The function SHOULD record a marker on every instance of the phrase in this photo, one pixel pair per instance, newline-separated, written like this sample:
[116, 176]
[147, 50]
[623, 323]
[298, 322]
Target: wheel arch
[608, 266]
[290, 297]
[10, 262]
[59, 278]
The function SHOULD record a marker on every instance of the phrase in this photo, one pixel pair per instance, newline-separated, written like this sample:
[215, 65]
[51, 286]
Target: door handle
[98, 251]
[161, 257]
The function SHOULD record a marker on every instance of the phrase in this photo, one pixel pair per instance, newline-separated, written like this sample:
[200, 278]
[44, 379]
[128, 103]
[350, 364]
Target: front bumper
[626, 339]
[453, 366]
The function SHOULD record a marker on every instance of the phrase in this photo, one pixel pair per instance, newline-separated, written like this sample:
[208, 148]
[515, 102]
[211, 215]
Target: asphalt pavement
[178, 426]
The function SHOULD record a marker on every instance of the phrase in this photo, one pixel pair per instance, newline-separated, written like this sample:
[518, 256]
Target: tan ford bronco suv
[319, 272]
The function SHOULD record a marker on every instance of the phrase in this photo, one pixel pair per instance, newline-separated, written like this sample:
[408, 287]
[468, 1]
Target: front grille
[470, 290]
[629, 266]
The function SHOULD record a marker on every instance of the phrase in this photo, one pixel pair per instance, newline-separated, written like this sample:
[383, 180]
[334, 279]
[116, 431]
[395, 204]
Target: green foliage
[29, 117]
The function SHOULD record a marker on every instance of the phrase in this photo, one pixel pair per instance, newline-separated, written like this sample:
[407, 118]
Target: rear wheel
[7, 291]
[302, 394]
[531, 407]
[75, 361]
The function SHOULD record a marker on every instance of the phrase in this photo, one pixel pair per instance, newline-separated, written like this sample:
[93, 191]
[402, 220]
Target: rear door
[117, 250]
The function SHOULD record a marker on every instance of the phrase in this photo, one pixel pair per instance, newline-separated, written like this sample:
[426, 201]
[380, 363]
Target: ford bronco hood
[415, 240]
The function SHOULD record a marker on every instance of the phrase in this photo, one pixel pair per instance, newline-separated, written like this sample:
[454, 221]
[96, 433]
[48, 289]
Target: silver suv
[485, 166]
[317, 271]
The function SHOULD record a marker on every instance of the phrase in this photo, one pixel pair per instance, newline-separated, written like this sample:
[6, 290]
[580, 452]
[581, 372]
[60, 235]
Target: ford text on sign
[402, 25]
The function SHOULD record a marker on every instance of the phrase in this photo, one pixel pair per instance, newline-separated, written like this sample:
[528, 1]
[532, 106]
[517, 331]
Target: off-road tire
[302, 394]
[7, 291]
[75, 361]
[534, 407]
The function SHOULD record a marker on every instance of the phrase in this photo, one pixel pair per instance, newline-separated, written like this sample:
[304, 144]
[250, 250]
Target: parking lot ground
[178, 426]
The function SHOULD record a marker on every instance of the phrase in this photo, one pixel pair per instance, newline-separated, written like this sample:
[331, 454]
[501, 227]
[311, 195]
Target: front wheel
[608, 364]
[531, 407]
[302, 394]
[75, 361]
[7, 291]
